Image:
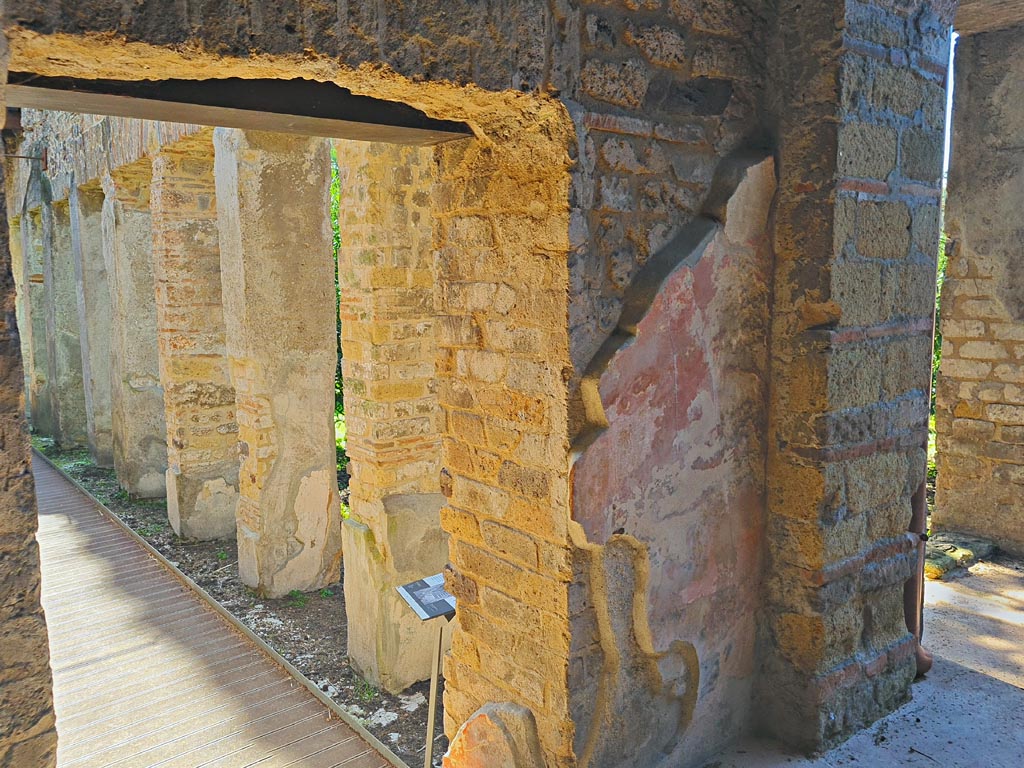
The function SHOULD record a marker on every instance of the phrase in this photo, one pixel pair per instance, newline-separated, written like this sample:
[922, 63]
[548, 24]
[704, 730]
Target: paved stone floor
[969, 710]
[146, 674]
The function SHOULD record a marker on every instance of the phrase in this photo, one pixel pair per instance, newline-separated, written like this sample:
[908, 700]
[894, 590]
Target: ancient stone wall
[27, 732]
[979, 409]
[35, 299]
[501, 232]
[92, 294]
[138, 420]
[858, 122]
[665, 91]
[541, 224]
[498, 46]
[66, 341]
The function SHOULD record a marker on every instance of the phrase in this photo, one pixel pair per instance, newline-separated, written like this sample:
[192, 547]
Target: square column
[277, 275]
[42, 404]
[202, 456]
[856, 235]
[69, 388]
[94, 315]
[139, 431]
[386, 274]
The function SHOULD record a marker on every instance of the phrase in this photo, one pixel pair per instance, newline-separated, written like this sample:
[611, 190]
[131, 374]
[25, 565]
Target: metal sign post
[428, 598]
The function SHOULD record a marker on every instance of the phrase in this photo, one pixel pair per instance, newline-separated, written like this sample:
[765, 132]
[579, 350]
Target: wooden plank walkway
[146, 674]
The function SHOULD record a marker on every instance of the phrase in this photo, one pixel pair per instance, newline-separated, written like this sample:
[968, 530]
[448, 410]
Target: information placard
[428, 597]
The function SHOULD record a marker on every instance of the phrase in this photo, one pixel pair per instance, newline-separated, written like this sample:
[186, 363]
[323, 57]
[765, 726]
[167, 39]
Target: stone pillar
[94, 318]
[21, 307]
[277, 274]
[503, 338]
[394, 534]
[27, 732]
[856, 225]
[69, 388]
[979, 404]
[202, 457]
[42, 403]
[137, 400]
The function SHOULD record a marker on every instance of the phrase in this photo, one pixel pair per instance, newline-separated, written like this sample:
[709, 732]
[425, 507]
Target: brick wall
[665, 91]
[859, 133]
[979, 410]
[502, 238]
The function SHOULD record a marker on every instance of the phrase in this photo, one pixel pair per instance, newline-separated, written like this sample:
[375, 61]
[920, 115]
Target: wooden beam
[305, 107]
[976, 16]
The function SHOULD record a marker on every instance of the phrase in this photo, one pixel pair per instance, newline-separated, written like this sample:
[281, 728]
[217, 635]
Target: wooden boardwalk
[146, 674]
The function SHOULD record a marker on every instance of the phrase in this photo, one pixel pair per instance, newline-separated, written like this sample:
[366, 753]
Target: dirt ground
[308, 629]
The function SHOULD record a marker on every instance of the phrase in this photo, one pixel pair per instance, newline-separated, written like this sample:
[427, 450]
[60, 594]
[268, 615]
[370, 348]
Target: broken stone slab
[949, 550]
[496, 736]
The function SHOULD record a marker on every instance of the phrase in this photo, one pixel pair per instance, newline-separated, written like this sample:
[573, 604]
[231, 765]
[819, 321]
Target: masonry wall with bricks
[856, 227]
[389, 330]
[979, 409]
[774, 167]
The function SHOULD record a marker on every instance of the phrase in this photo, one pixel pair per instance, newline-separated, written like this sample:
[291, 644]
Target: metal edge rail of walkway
[233, 623]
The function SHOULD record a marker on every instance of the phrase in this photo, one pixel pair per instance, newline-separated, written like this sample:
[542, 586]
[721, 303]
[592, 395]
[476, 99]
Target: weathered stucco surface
[137, 399]
[282, 358]
[92, 296]
[66, 341]
[678, 470]
[979, 411]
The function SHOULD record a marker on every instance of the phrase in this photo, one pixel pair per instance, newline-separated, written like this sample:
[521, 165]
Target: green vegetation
[341, 441]
[364, 691]
[325, 593]
[297, 600]
[151, 529]
[939, 279]
[339, 400]
[222, 555]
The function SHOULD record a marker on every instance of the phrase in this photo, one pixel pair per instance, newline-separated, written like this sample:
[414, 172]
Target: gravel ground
[308, 629]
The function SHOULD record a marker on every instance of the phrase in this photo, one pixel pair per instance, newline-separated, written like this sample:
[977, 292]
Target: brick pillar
[502, 240]
[67, 345]
[94, 318]
[202, 457]
[139, 431]
[42, 402]
[27, 732]
[279, 310]
[388, 332]
[979, 408]
[860, 148]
